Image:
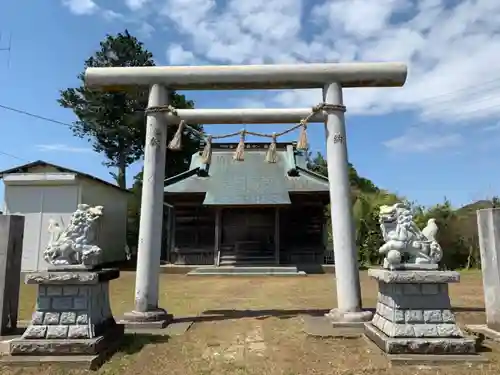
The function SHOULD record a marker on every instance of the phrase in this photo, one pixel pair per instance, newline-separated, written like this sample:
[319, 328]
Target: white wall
[39, 196]
[39, 204]
[113, 229]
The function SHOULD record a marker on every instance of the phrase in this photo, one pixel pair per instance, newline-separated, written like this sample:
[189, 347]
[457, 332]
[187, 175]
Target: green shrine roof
[252, 181]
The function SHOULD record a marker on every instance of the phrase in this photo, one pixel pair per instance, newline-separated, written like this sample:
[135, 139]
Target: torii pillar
[349, 304]
[331, 77]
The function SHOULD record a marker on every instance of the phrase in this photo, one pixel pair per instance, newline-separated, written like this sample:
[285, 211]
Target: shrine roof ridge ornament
[241, 77]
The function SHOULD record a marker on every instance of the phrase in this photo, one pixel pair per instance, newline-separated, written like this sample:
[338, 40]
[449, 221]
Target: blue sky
[435, 137]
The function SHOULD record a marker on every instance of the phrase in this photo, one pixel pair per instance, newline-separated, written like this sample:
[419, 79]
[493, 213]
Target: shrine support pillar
[346, 261]
[151, 221]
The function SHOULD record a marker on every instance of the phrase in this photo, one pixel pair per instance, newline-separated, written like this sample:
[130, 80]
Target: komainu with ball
[406, 246]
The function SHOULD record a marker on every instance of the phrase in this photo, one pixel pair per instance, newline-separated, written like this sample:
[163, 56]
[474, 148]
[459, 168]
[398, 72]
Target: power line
[464, 113]
[479, 87]
[9, 45]
[12, 156]
[20, 111]
[8, 48]
[26, 113]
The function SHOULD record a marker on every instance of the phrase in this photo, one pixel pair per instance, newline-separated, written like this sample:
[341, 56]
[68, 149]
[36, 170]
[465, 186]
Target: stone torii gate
[330, 77]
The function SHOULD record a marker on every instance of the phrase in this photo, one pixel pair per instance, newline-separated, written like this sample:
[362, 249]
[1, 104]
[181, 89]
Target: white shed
[42, 191]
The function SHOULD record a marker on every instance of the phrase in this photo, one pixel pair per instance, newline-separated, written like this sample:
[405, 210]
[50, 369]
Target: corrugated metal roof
[252, 181]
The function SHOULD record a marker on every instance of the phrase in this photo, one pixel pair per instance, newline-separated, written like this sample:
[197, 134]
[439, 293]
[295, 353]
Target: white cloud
[136, 4]
[58, 147]
[423, 142]
[90, 7]
[451, 47]
[111, 15]
[448, 48]
[81, 7]
[177, 55]
[251, 103]
[145, 30]
[492, 128]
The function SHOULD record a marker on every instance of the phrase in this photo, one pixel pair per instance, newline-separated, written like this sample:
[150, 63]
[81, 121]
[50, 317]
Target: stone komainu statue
[75, 245]
[404, 240]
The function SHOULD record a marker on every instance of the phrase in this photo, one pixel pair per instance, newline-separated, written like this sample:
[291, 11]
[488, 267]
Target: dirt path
[254, 326]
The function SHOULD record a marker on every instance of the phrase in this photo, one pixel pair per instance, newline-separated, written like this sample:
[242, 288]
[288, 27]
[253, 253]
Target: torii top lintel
[237, 77]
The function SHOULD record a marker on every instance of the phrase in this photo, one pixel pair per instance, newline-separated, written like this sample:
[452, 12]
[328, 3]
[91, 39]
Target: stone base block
[81, 362]
[72, 318]
[339, 318]
[484, 331]
[136, 326]
[420, 345]
[154, 319]
[412, 267]
[172, 329]
[55, 347]
[435, 360]
[83, 353]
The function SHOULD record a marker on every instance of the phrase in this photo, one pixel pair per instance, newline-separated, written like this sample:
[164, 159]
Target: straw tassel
[176, 142]
[271, 155]
[303, 143]
[240, 149]
[206, 156]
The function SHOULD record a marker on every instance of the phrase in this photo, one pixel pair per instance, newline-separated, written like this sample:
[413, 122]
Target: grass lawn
[253, 326]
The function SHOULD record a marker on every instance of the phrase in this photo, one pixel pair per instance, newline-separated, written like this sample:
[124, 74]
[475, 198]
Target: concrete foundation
[321, 326]
[414, 317]
[72, 317]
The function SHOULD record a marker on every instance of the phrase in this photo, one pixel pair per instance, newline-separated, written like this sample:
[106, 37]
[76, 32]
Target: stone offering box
[414, 314]
[72, 317]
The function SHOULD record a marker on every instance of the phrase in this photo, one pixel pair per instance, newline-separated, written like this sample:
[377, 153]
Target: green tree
[366, 198]
[319, 165]
[453, 236]
[112, 121]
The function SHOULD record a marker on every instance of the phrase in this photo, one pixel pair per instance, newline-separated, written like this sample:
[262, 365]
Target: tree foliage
[114, 122]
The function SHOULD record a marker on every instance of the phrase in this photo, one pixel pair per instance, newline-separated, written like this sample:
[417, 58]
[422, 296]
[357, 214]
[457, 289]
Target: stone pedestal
[11, 249]
[488, 222]
[72, 316]
[414, 314]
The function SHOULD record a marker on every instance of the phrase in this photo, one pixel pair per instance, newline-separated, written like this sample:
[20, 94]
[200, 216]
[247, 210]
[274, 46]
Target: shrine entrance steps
[246, 253]
[247, 271]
